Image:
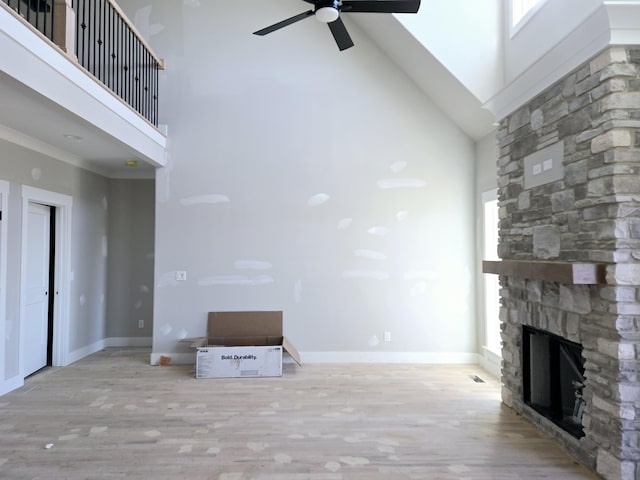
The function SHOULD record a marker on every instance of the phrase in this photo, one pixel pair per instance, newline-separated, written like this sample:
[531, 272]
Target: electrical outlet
[140, 323]
[181, 276]
[387, 336]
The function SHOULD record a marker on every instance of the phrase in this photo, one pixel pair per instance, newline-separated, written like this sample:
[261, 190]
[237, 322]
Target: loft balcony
[79, 83]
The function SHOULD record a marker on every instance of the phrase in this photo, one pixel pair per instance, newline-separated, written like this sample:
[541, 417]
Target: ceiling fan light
[327, 14]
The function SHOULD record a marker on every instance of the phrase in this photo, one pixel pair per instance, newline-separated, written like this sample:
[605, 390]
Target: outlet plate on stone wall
[544, 166]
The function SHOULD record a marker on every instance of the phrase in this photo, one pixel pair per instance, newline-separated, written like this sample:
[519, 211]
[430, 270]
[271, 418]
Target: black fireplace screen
[553, 378]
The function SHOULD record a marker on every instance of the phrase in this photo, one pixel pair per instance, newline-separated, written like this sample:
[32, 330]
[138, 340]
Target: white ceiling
[440, 85]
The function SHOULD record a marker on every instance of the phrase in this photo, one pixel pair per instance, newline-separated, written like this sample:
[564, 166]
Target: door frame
[62, 274]
[4, 208]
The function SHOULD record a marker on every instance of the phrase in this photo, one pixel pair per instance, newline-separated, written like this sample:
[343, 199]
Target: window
[491, 284]
[520, 9]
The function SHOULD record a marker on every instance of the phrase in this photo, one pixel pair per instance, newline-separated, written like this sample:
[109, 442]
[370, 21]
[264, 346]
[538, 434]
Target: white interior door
[37, 289]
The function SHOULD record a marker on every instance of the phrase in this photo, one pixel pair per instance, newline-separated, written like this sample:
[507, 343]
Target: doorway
[39, 275]
[45, 279]
[4, 215]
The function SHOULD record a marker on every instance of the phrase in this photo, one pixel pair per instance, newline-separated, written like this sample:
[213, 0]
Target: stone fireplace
[569, 197]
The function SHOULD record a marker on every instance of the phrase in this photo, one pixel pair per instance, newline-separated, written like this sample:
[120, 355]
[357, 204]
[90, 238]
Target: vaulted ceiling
[32, 119]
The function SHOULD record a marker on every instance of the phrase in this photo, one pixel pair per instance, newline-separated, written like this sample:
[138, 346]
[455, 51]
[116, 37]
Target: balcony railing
[38, 13]
[104, 42]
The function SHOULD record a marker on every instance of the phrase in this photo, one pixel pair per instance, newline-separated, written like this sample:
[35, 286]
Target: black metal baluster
[104, 38]
[156, 89]
[89, 41]
[28, 13]
[97, 26]
[50, 17]
[111, 46]
[106, 47]
[117, 59]
[145, 66]
[94, 49]
[137, 78]
[36, 22]
[128, 68]
[120, 57]
[132, 69]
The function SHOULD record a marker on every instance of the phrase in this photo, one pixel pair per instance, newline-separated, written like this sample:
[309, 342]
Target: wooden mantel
[561, 272]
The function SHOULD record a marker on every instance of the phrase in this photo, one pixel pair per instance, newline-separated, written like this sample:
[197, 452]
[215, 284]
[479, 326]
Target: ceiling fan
[328, 11]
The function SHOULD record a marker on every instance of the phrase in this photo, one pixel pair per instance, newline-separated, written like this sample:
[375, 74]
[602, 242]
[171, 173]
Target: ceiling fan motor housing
[327, 11]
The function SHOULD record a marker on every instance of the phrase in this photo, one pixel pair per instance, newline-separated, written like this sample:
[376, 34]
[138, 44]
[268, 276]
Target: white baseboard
[108, 342]
[129, 341]
[491, 362]
[352, 357]
[425, 358]
[80, 353]
[12, 383]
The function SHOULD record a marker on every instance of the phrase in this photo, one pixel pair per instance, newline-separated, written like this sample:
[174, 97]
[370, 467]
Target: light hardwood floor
[112, 416]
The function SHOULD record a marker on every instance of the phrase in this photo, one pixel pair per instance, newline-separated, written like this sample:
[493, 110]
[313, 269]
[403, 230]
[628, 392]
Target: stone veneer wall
[591, 215]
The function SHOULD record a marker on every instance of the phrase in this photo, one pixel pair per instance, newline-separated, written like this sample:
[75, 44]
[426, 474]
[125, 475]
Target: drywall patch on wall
[397, 167]
[373, 341]
[389, 183]
[105, 246]
[144, 289]
[372, 274]
[36, 174]
[370, 254]
[142, 20]
[378, 231]
[252, 265]
[345, 223]
[182, 334]
[239, 280]
[212, 198]
[418, 289]
[138, 305]
[82, 300]
[318, 199]
[105, 203]
[421, 275]
[402, 215]
[166, 329]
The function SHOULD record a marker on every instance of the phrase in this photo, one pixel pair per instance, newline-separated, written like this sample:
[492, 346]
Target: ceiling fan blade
[284, 23]
[381, 6]
[340, 34]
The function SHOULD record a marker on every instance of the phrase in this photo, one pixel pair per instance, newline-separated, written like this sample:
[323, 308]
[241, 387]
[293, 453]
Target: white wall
[275, 197]
[130, 265]
[486, 176]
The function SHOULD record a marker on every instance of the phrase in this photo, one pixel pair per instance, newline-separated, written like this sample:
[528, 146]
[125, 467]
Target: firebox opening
[553, 378]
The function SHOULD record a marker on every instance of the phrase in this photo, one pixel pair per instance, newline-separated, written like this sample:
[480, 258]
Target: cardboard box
[243, 344]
